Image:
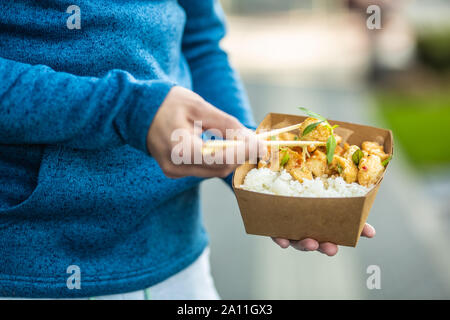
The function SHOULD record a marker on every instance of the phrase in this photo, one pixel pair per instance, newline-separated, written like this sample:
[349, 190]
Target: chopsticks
[217, 144]
[278, 131]
[210, 146]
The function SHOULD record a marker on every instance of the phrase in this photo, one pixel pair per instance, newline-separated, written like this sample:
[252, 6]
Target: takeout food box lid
[337, 220]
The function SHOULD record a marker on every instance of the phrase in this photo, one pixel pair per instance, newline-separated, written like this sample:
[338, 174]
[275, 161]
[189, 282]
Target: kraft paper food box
[337, 220]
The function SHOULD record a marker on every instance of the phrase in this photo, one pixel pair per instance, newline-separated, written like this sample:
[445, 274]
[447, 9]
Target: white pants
[193, 283]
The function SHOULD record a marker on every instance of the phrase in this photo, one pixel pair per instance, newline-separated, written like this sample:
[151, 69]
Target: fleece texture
[77, 185]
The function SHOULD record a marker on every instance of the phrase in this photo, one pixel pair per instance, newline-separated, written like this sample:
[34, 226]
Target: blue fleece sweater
[77, 185]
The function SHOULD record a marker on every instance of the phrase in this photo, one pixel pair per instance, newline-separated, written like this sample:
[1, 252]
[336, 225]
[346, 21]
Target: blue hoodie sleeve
[41, 106]
[213, 77]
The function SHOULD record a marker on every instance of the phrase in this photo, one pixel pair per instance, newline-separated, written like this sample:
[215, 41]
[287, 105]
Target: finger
[209, 171]
[255, 147]
[368, 231]
[247, 150]
[189, 161]
[328, 248]
[283, 243]
[203, 171]
[214, 118]
[305, 244]
[191, 152]
[231, 129]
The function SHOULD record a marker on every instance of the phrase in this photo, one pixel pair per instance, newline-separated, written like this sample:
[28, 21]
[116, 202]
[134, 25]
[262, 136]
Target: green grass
[421, 125]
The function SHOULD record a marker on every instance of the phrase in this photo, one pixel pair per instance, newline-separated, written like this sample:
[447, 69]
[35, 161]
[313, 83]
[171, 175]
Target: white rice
[281, 183]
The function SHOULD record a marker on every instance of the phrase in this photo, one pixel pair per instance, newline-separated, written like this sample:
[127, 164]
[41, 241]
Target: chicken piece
[296, 149]
[288, 136]
[338, 139]
[323, 149]
[350, 151]
[346, 146]
[274, 159]
[311, 148]
[301, 173]
[370, 170]
[375, 149]
[262, 164]
[339, 151]
[346, 168]
[295, 159]
[320, 133]
[317, 163]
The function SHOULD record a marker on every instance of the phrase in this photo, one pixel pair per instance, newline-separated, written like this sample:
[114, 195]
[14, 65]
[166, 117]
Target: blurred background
[320, 54]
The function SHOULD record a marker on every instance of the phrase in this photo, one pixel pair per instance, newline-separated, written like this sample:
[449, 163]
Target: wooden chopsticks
[217, 144]
[210, 146]
[276, 132]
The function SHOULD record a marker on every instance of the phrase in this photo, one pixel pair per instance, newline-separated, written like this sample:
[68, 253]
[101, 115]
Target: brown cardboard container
[337, 220]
